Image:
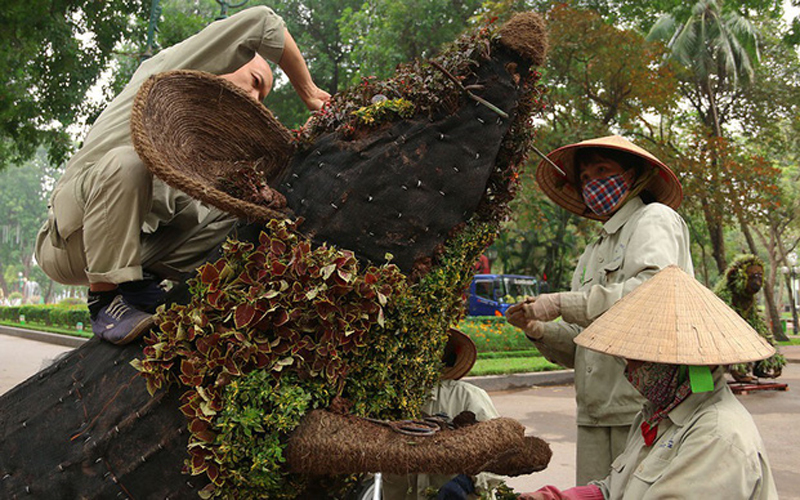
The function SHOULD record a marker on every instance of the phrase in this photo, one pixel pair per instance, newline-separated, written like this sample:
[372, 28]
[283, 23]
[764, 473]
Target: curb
[522, 380]
[50, 338]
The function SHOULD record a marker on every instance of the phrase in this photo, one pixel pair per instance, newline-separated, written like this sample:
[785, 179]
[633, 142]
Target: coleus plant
[278, 306]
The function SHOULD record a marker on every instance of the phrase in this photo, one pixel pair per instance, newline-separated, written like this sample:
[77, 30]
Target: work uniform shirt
[450, 397]
[706, 447]
[634, 244]
[220, 48]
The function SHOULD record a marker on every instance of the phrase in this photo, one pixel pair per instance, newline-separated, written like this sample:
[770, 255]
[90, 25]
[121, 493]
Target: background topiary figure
[738, 288]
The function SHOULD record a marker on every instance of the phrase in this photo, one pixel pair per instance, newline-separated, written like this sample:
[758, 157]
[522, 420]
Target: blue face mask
[603, 195]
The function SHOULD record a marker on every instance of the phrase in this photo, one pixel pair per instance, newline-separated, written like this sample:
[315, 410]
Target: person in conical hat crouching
[692, 439]
[635, 196]
[450, 397]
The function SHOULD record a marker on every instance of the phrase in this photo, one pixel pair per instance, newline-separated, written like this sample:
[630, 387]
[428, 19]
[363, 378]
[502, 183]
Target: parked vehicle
[492, 294]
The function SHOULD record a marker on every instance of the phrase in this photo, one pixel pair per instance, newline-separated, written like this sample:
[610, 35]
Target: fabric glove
[517, 316]
[457, 488]
[545, 307]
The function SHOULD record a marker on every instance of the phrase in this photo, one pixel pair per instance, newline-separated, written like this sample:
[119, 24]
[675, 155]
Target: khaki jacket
[707, 447]
[634, 244]
[220, 48]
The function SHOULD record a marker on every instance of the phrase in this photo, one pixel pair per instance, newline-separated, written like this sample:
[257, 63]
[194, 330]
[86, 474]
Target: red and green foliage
[277, 307]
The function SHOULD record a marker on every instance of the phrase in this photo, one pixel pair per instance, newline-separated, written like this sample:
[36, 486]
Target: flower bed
[494, 334]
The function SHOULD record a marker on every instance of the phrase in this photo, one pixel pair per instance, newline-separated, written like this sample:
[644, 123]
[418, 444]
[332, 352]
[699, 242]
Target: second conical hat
[466, 352]
[561, 187]
[674, 319]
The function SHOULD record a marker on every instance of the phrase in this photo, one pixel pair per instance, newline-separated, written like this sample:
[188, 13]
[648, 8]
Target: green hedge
[494, 334]
[66, 316]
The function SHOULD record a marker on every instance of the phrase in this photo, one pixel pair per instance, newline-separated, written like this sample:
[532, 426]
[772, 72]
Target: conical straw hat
[193, 129]
[664, 186]
[466, 353]
[673, 319]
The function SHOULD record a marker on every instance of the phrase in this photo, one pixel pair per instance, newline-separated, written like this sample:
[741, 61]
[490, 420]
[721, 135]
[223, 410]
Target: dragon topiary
[341, 301]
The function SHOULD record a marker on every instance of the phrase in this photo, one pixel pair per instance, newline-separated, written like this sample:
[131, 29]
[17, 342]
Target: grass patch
[39, 327]
[503, 366]
[792, 341]
[510, 354]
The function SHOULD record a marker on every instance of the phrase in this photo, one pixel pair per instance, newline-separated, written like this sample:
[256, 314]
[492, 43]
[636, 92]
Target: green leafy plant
[372, 114]
[63, 315]
[280, 307]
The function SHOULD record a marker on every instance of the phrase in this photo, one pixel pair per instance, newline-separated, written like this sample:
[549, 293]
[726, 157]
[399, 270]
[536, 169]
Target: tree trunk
[775, 318]
[716, 235]
[789, 278]
[3, 284]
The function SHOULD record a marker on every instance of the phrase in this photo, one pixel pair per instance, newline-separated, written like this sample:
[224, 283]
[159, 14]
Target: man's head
[691, 326]
[459, 355]
[254, 77]
[597, 163]
[649, 178]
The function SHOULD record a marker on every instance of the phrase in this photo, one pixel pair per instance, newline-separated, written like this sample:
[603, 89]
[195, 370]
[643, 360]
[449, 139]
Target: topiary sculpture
[342, 300]
[738, 288]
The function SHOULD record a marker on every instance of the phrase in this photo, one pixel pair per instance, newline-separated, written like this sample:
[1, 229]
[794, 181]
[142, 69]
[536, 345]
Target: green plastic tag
[700, 379]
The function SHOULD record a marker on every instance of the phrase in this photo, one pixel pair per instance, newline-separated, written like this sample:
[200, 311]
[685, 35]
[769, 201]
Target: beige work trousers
[597, 447]
[115, 220]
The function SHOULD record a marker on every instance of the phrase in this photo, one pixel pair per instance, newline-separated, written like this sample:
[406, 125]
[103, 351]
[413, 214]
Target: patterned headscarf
[664, 386]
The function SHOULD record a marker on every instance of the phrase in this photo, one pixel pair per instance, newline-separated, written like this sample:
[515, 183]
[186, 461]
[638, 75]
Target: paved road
[20, 358]
[547, 412]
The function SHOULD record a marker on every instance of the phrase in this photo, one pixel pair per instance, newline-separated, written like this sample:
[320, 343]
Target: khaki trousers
[597, 447]
[115, 220]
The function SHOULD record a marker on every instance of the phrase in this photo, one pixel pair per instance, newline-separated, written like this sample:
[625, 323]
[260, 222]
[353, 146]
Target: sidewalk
[791, 353]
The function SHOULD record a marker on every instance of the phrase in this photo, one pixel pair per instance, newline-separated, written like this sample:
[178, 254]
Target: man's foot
[120, 323]
[145, 295]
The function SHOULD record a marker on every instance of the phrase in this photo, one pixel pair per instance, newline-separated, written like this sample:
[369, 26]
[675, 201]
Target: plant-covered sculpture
[341, 301]
[738, 288]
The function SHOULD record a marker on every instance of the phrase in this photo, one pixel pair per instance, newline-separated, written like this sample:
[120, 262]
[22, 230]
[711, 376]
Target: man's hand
[316, 99]
[532, 496]
[457, 488]
[533, 329]
[293, 64]
[545, 307]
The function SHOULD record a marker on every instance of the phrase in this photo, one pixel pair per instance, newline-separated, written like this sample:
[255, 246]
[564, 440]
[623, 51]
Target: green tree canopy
[51, 53]
[23, 202]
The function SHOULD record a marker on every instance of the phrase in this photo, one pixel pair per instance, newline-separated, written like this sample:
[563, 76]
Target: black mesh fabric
[86, 427]
[403, 188]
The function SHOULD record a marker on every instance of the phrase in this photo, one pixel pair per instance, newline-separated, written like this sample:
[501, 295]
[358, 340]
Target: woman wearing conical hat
[692, 439]
[635, 196]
